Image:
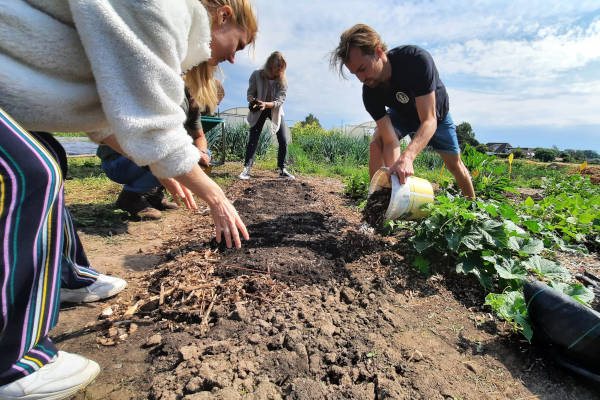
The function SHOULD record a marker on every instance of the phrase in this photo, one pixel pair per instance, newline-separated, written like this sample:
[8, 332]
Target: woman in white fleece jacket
[113, 69]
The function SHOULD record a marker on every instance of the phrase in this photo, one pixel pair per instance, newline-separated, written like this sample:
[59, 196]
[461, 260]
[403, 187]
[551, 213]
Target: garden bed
[314, 306]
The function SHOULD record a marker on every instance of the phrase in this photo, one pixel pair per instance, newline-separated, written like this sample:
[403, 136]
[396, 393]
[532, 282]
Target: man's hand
[180, 193]
[204, 160]
[403, 168]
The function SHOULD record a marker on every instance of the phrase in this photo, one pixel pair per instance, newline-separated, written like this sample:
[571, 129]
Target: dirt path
[314, 306]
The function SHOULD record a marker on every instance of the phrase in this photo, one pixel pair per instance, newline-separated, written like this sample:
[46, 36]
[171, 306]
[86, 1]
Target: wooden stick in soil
[161, 300]
[208, 310]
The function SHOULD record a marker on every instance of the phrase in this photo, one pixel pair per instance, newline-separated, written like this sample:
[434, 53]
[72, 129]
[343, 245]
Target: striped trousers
[37, 243]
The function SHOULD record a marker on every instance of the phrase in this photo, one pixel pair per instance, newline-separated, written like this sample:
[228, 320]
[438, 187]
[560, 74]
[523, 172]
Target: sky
[522, 72]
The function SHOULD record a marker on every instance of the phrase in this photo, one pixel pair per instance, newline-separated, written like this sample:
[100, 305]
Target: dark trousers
[282, 138]
[34, 240]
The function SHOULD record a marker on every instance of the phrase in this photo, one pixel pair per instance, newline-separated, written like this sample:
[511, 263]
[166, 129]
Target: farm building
[499, 148]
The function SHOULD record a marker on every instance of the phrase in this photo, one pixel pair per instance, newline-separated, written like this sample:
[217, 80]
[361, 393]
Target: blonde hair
[275, 60]
[200, 79]
[360, 35]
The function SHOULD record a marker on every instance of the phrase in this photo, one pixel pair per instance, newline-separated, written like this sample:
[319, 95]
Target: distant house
[528, 152]
[499, 148]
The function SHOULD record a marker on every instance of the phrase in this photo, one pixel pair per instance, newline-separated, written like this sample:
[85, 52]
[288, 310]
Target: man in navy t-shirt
[405, 96]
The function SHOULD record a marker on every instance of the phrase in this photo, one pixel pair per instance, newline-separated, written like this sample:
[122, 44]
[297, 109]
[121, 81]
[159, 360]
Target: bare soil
[314, 306]
[594, 173]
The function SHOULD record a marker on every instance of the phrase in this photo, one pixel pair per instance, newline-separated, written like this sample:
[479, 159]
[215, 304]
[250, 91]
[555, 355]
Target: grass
[70, 134]
[90, 196]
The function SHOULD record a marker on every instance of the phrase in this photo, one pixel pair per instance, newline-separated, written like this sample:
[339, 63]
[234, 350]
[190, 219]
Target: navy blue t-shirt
[413, 74]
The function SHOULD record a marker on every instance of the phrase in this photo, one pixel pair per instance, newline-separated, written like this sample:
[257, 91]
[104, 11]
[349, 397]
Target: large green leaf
[466, 264]
[511, 307]
[453, 239]
[585, 218]
[532, 225]
[422, 244]
[492, 210]
[508, 212]
[494, 233]
[576, 290]
[507, 268]
[532, 246]
[514, 243]
[510, 226]
[547, 268]
[485, 279]
[473, 240]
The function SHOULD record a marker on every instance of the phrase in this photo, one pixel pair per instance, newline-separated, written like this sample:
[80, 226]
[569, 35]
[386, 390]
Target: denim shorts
[444, 139]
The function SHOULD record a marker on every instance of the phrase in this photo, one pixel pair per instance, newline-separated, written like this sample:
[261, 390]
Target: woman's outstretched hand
[228, 223]
[180, 193]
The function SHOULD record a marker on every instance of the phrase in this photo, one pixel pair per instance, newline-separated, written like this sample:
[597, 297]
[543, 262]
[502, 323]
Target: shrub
[545, 155]
[428, 160]
[356, 185]
[518, 153]
[330, 147]
[236, 140]
[482, 148]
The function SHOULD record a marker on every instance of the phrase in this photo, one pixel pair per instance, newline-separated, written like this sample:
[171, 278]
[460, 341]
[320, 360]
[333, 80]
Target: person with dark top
[266, 93]
[404, 94]
[142, 194]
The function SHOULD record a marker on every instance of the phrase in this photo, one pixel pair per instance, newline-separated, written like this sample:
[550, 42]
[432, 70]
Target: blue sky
[523, 72]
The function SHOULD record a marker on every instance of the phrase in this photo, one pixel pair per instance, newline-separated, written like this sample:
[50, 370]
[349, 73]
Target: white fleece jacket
[104, 67]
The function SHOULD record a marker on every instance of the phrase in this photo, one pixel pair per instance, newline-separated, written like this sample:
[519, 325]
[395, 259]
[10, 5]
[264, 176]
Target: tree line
[466, 135]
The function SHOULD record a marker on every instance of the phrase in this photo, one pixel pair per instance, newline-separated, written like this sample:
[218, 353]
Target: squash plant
[485, 238]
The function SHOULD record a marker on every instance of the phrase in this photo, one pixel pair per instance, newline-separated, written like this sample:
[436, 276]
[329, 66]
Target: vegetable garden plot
[315, 306]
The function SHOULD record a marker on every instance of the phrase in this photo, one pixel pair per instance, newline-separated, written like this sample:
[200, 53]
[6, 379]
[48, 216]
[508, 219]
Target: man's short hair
[360, 35]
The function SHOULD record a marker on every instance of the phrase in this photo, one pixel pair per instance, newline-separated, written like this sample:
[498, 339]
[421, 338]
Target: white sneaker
[285, 174]
[104, 287]
[245, 174]
[61, 378]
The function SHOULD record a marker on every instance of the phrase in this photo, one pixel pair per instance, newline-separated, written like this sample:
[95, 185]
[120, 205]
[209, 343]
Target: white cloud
[543, 58]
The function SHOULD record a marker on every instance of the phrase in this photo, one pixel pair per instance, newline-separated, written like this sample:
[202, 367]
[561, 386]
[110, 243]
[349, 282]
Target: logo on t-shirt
[402, 97]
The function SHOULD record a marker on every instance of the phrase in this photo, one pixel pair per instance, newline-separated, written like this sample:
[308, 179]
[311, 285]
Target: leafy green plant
[236, 141]
[570, 208]
[511, 307]
[356, 186]
[490, 180]
[530, 174]
[428, 160]
[335, 148]
[420, 263]
[485, 239]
